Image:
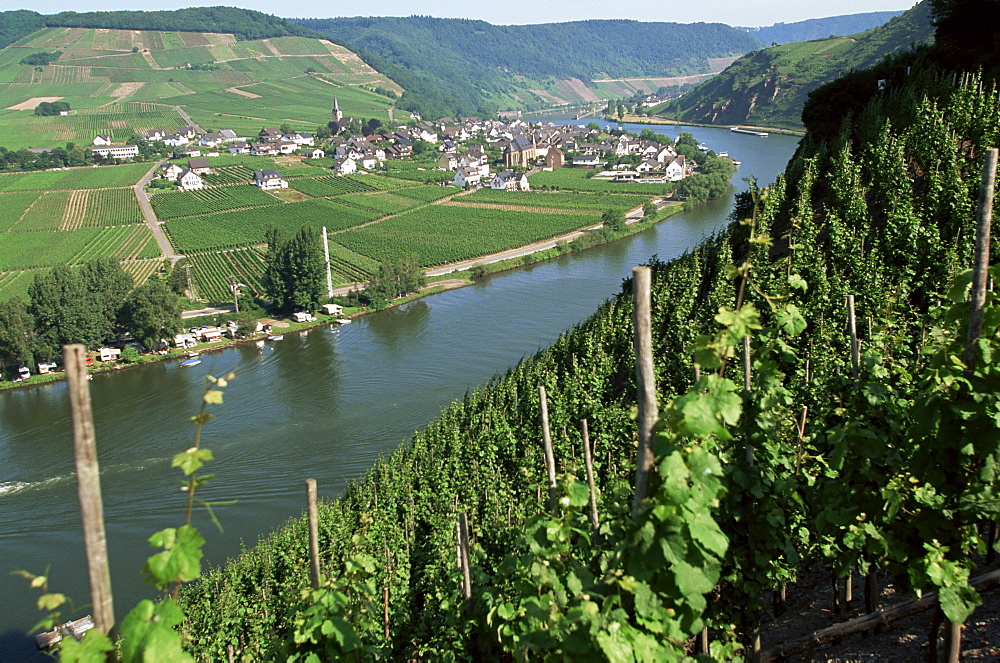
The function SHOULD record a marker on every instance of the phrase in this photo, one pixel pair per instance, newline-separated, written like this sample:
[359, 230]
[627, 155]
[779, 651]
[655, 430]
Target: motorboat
[188, 363]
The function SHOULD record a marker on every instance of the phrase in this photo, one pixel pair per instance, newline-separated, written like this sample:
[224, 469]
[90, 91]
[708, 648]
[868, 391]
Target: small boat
[703, 147]
[343, 321]
[73, 629]
[275, 337]
[191, 354]
[187, 363]
[723, 154]
[737, 163]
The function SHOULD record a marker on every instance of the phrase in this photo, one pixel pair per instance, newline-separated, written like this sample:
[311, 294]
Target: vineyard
[581, 201]
[212, 272]
[122, 243]
[443, 234]
[174, 204]
[239, 174]
[99, 177]
[247, 227]
[575, 179]
[824, 408]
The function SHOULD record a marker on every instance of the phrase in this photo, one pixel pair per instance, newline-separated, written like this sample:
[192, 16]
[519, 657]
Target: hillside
[525, 66]
[770, 87]
[818, 28]
[119, 81]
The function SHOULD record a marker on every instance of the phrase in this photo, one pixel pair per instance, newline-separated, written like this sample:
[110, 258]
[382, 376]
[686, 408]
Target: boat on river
[275, 337]
[343, 321]
[188, 363]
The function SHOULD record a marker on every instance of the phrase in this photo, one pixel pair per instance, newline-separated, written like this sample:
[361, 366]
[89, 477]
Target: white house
[200, 166]
[648, 166]
[345, 166]
[239, 147]
[510, 181]
[313, 154]
[467, 177]
[332, 309]
[174, 140]
[269, 179]
[102, 139]
[171, 171]
[675, 169]
[190, 180]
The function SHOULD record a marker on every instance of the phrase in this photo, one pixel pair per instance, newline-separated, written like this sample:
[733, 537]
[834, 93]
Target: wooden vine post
[89, 487]
[981, 265]
[313, 533]
[645, 381]
[550, 460]
[463, 531]
[588, 459]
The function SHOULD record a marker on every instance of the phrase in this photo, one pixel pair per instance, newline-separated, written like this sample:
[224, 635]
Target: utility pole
[235, 287]
[329, 274]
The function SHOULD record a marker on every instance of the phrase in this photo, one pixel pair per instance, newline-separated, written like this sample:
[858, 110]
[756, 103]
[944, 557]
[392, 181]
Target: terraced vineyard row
[427, 194]
[176, 204]
[225, 230]
[230, 175]
[74, 178]
[441, 234]
[322, 187]
[565, 200]
[123, 243]
[15, 283]
[212, 272]
[141, 270]
[349, 266]
[45, 214]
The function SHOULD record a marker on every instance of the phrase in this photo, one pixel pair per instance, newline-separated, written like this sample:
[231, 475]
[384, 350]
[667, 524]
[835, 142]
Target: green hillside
[458, 66]
[119, 81]
[818, 28]
[770, 87]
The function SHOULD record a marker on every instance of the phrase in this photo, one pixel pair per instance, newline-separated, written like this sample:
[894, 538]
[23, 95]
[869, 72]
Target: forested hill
[770, 87]
[480, 67]
[245, 24]
[817, 28]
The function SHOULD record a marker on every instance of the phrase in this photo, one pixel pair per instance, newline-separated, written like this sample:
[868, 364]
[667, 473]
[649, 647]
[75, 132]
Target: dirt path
[151, 220]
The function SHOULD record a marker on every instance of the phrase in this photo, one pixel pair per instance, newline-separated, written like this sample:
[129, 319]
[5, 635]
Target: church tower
[337, 115]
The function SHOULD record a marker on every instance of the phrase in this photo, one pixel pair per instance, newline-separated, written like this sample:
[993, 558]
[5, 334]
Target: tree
[396, 278]
[648, 210]
[109, 283]
[152, 312]
[323, 132]
[179, 278]
[129, 354]
[294, 270]
[246, 323]
[613, 220]
[286, 129]
[17, 333]
[65, 311]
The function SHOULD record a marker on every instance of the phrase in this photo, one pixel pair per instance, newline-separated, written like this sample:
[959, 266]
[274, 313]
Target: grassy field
[102, 177]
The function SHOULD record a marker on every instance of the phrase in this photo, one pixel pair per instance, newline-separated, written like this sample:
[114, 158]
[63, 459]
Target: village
[520, 148]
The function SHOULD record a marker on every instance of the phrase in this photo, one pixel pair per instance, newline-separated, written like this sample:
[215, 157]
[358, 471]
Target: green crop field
[43, 249]
[247, 227]
[331, 185]
[75, 178]
[212, 272]
[575, 179]
[428, 193]
[560, 200]
[13, 206]
[174, 204]
[384, 202]
[15, 283]
[440, 234]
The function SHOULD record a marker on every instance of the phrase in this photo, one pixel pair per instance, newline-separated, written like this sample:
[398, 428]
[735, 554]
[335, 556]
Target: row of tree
[89, 304]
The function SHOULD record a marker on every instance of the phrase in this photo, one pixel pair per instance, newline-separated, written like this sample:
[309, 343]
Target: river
[323, 404]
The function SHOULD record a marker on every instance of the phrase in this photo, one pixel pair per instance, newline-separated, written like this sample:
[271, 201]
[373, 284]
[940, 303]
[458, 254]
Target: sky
[730, 12]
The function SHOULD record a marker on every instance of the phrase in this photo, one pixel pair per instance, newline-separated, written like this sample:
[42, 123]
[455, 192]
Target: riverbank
[642, 119]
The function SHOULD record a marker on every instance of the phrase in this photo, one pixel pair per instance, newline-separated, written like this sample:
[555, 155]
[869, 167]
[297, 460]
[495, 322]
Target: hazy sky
[731, 12]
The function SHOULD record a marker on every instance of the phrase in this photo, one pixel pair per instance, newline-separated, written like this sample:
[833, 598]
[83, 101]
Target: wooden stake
[801, 434]
[645, 382]
[463, 532]
[852, 327]
[385, 604]
[88, 478]
[588, 460]
[746, 391]
[313, 533]
[980, 268]
[550, 460]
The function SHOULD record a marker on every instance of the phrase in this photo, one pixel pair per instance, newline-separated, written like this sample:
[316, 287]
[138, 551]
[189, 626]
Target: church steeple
[337, 115]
